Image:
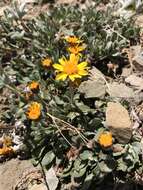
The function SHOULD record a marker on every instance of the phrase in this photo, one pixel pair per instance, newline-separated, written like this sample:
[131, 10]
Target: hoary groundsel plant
[43, 62]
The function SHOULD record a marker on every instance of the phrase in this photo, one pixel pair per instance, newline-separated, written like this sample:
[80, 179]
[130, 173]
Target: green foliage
[66, 135]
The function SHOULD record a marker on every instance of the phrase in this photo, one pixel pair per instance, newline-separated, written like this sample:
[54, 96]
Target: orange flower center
[46, 62]
[70, 68]
[34, 111]
[34, 85]
[105, 139]
[6, 151]
[74, 50]
[72, 39]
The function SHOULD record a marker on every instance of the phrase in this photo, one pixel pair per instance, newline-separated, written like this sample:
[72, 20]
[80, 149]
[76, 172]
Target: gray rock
[137, 57]
[117, 90]
[118, 121]
[93, 89]
[51, 179]
[135, 81]
[95, 86]
[126, 72]
[138, 62]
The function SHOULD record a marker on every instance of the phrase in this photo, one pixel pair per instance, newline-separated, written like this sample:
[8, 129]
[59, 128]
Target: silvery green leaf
[17, 35]
[86, 155]
[104, 168]
[79, 173]
[48, 158]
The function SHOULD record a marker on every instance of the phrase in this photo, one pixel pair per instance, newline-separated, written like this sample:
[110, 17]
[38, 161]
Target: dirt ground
[11, 171]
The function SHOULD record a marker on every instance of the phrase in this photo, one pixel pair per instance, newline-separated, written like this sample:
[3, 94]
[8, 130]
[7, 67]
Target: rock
[135, 81]
[126, 72]
[138, 96]
[117, 90]
[129, 8]
[2, 9]
[135, 50]
[38, 187]
[118, 121]
[128, 3]
[139, 20]
[93, 89]
[11, 171]
[136, 55]
[138, 62]
[95, 86]
[51, 179]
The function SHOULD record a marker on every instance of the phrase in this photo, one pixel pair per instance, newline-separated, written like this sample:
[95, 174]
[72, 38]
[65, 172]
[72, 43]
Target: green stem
[71, 90]
[44, 176]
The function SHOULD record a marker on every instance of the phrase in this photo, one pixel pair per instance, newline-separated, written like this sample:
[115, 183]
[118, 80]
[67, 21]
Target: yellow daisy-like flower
[73, 40]
[33, 85]
[106, 139]
[76, 49]
[46, 62]
[34, 111]
[6, 151]
[71, 68]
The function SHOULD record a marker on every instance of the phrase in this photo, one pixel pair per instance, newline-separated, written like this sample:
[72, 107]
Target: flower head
[6, 151]
[105, 139]
[73, 40]
[70, 68]
[34, 111]
[46, 62]
[76, 49]
[33, 85]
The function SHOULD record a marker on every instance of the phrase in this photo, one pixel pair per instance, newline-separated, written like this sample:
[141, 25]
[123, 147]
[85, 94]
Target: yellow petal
[74, 76]
[62, 61]
[58, 67]
[82, 65]
[81, 48]
[61, 76]
[74, 58]
[83, 72]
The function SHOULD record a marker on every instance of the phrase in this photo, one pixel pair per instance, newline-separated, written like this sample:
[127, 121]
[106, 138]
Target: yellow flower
[76, 49]
[46, 62]
[34, 111]
[33, 85]
[70, 68]
[6, 150]
[105, 139]
[73, 40]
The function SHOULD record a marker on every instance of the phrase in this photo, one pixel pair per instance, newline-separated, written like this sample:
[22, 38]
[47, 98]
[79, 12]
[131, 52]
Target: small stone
[52, 179]
[139, 20]
[136, 54]
[126, 72]
[135, 81]
[38, 187]
[118, 121]
[138, 62]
